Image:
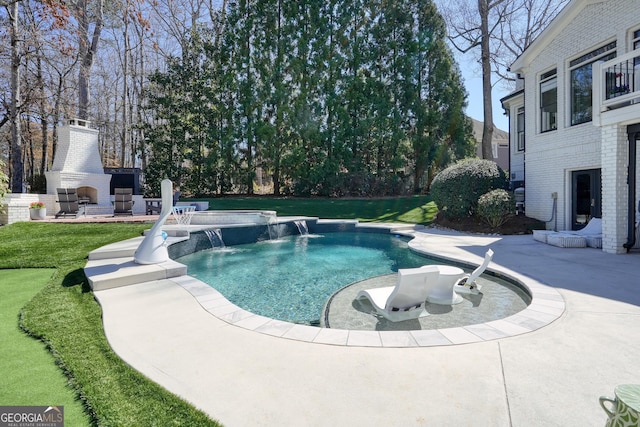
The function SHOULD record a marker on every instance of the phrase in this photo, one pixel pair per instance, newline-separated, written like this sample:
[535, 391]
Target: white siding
[552, 156]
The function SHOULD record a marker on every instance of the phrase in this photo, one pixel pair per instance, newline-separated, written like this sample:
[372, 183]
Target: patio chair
[68, 200]
[590, 235]
[123, 201]
[441, 291]
[541, 235]
[405, 300]
[592, 232]
[468, 285]
[564, 239]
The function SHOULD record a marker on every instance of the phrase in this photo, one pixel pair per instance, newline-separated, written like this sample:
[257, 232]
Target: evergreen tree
[178, 139]
[328, 98]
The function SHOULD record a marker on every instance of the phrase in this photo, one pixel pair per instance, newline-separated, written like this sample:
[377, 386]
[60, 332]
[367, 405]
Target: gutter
[633, 133]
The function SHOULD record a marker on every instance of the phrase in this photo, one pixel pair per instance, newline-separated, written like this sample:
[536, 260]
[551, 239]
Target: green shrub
[495, 207]
[456, 189]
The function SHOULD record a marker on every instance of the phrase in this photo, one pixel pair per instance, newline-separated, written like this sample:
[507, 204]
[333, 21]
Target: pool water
[292, 278]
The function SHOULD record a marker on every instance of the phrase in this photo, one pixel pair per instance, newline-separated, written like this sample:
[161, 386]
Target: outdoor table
[153, 206]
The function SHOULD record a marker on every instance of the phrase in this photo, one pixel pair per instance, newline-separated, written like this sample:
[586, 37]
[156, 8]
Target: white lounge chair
[592, 232]
[590, 235]
[541, 235]
[565, 239]
[406, 299]
[468, 285]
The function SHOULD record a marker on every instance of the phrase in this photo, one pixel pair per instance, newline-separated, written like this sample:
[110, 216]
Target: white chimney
[77, 164]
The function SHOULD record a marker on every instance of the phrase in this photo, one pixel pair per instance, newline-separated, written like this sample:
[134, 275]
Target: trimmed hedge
[456, 189]
[496, 207]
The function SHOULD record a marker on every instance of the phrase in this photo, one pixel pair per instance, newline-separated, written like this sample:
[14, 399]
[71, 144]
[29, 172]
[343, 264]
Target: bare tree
[21, 47]
[14, 103]
[502, 29]
[87, 47]
[175, 20]
[514, 35]
[472, 24]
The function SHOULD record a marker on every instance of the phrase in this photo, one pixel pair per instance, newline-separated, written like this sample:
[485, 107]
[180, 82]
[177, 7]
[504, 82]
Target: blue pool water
[291, 279]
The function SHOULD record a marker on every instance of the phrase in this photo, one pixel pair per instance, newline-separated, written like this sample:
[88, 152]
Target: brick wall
[552, 156]
[77, 164]
[78, 150]
[15, 207]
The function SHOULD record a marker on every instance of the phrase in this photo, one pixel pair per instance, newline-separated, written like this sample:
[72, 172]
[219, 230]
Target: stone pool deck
[548, 376]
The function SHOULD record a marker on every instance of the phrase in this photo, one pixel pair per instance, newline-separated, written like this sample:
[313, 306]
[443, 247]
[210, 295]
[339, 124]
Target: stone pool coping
[547, 305]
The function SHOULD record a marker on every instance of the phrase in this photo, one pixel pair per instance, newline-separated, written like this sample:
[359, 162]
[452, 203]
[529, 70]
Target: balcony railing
[618, 81]
[616, 89]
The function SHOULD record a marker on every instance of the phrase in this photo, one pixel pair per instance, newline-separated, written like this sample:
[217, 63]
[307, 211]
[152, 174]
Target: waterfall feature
[273, 228]
[215, 237]
[302, 227]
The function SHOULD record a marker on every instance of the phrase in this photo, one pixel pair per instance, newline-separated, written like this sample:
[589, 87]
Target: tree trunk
[44, 123]
[87, 52]
[485, 57]
[125, 88]
[17, 169]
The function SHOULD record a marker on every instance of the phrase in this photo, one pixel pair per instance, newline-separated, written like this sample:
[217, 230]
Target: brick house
[574, 120]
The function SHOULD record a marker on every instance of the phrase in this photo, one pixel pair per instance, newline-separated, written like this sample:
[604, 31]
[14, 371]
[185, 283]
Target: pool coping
[547, 305]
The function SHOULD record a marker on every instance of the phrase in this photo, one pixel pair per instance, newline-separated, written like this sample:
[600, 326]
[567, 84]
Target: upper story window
[635, 42]
[520, 129]
[582, 81]
[548, 101]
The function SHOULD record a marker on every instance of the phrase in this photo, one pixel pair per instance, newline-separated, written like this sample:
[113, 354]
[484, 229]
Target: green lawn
[415, 209]
[30, 375]
[65, 317]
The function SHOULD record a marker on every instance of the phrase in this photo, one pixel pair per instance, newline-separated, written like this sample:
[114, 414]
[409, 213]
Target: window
[520, 129]
[635, 42]
[548, 101]
[582, 82]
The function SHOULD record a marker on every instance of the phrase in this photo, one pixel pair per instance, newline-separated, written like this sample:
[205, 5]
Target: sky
[473, 83]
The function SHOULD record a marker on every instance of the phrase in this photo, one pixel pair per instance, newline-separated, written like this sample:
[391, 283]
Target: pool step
[112, 266]
[127, 248]
[115, 272]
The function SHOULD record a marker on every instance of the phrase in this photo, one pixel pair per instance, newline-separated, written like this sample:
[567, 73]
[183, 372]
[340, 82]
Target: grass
[30, 375]
[67, 319]
[65, 316]
[415, 209]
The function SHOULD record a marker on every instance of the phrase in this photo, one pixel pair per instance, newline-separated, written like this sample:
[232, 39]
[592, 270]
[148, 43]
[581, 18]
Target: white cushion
[541, 235]
[563, 240]
[594, 241]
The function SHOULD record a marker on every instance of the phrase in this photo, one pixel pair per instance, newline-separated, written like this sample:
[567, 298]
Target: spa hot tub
[233, 217]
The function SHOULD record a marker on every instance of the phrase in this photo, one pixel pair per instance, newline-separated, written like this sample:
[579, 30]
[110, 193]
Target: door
[585, 197]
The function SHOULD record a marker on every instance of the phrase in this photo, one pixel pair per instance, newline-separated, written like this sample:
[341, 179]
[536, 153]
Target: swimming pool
[292, 278]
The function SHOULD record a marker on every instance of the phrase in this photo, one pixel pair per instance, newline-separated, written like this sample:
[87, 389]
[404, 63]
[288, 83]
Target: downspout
[632, 133]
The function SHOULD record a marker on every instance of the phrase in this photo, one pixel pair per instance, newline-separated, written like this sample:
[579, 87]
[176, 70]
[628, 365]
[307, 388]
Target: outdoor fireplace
[87, 195]
[77, 164]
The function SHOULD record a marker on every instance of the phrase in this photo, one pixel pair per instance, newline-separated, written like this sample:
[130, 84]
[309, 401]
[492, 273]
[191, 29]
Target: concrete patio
[552, 376]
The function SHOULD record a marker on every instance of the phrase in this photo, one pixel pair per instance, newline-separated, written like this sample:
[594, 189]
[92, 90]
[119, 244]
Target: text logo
[31, 416]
